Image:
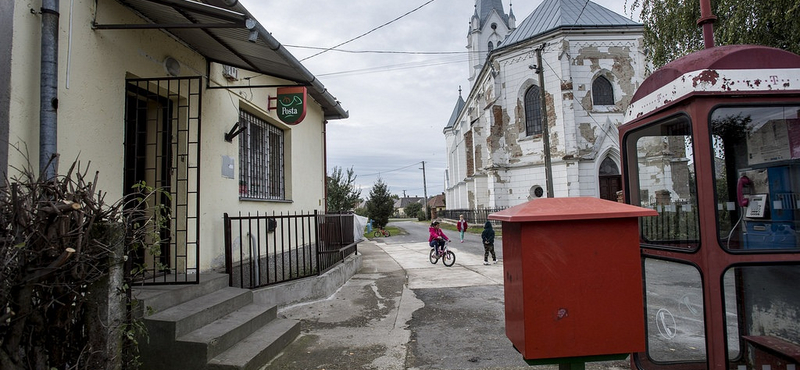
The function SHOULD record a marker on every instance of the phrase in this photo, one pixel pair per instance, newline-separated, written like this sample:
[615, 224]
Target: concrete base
[311, 288]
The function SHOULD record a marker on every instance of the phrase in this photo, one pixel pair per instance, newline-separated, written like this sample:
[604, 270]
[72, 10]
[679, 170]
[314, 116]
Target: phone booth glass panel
[759, 147]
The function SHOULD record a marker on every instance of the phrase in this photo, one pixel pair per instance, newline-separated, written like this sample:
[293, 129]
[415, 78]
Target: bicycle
[381, 232]
[447, 256]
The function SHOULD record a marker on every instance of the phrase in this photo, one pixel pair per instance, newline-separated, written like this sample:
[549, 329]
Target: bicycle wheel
[449, 258]
[387, 234]
[433, 257]
[376, 234]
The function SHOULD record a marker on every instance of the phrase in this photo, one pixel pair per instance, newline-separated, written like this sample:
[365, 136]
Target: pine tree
[342, 193]
[381, 204]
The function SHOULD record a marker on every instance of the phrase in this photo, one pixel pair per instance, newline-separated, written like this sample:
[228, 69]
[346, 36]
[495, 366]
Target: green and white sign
[291, 104]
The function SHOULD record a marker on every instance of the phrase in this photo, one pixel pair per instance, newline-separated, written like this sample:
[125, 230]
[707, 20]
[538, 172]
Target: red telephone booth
[712, 144]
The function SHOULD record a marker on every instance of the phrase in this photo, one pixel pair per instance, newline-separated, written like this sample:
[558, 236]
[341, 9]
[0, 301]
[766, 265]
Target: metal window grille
[533, 111]
[261, 154]
[162, 150]
[602, 92]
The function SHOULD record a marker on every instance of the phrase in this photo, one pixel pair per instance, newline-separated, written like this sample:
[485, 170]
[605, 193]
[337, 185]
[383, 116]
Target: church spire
[489, 27]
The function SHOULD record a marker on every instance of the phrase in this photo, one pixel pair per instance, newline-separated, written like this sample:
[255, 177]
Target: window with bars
[533, 111]
[261, 154]
[602, 92]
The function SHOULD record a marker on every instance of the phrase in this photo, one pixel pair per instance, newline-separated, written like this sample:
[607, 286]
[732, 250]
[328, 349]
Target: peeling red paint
[708, 76]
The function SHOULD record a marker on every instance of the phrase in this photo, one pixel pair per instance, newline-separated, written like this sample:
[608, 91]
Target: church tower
[488, 27]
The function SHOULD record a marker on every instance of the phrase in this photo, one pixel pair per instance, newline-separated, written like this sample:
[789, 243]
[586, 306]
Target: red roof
[575, 208]
[721, 57]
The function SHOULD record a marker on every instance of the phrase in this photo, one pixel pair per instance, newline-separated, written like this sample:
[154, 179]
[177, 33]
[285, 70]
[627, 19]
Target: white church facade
[519, 135]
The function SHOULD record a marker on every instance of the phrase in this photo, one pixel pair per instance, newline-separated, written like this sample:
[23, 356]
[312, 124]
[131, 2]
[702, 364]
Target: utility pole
[425, 189]
[548, 169]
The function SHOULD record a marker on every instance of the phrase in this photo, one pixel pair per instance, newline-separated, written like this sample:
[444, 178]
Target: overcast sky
[398, 102]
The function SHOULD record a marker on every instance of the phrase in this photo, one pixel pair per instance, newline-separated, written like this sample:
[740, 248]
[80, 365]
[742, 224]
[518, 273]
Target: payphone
[769, 205]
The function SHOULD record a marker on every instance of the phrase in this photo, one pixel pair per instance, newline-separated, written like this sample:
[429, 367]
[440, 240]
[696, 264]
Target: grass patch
[391, 229]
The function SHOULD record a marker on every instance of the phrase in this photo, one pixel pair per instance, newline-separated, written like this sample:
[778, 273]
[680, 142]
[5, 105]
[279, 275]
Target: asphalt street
[402, 312]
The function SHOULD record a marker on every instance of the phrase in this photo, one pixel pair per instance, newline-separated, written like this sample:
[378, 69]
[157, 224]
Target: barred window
[261, 174]
[533, 111]
[602, 92]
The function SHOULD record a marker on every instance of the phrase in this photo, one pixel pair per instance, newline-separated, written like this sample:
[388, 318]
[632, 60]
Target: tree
[671, 30]
[414, 209]
[380, 205]
[342, 193]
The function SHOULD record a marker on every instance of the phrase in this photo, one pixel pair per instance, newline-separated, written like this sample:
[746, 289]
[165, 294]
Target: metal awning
[228, 35]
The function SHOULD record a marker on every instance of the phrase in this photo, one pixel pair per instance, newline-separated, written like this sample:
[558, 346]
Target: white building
[592, 60]
[134, 82]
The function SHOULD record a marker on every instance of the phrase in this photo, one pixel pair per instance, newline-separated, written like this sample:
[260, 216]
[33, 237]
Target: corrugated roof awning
[228, 35]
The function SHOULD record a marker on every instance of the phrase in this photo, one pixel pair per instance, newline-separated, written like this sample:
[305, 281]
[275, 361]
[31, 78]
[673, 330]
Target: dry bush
[62, 250]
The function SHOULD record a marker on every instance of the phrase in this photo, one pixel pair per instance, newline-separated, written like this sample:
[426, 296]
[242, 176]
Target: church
[545, 101]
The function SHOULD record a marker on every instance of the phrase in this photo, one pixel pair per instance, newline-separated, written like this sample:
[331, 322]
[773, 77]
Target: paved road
[402, 312]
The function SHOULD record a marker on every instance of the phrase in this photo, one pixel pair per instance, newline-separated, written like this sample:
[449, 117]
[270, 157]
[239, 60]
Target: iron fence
[262, 249]
[674, 226]
[476, 217]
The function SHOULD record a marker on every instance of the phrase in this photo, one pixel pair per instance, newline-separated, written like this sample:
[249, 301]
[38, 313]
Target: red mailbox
[573, 279]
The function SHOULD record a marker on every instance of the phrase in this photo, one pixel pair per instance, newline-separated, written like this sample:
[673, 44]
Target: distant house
[401, 204]
[436, 204]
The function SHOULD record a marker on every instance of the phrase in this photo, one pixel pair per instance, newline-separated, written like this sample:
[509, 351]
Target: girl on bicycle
[437, 238]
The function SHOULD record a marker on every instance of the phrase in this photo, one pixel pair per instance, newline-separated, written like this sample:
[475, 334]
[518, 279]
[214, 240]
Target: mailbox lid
[575, 208]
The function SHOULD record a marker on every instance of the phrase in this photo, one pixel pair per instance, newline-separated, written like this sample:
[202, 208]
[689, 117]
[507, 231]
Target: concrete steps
[197, 327]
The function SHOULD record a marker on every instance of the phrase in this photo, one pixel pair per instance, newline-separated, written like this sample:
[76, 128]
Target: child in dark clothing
[488, 243]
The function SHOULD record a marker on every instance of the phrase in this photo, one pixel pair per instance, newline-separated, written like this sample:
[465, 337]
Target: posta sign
[292, 104]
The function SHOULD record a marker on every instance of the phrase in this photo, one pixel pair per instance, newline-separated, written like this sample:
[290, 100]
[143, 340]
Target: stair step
[196, 313]
[228, 330]
[161, 297]
[258, 348]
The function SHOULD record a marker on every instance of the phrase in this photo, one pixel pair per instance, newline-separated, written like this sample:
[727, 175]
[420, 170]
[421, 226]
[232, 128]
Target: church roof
[554, 14]
[484, 7]
[456, 111]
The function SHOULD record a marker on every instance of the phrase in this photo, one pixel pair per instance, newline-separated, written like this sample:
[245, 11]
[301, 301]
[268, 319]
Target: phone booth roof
[731, 69]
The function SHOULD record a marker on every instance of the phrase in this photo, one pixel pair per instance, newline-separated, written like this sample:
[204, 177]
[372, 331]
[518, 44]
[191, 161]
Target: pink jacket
[435, 233]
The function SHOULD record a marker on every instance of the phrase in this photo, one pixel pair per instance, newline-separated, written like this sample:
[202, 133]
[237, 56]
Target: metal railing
[475, 217]
[262, 249]
[673, 226]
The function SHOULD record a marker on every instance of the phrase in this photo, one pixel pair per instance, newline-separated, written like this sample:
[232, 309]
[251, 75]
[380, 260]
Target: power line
[368, 32]
[393, 67]
[378, 51]
[397, 169]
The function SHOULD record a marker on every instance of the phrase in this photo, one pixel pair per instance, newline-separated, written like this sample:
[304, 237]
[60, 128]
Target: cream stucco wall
[93, 67]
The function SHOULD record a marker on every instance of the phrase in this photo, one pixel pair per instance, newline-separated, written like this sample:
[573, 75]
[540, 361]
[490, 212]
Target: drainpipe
[48, 109]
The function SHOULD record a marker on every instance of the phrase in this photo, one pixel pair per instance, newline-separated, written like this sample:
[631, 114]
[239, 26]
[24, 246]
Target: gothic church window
[533, 111]
[602, 92]
[491, 46]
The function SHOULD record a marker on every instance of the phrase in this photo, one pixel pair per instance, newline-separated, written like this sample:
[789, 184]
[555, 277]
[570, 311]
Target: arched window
[608, 167]
[491, 46]
[533, 111]
[602, 92]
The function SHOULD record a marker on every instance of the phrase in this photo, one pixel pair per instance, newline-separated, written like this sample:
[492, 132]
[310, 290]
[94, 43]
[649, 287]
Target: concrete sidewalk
[402, 312]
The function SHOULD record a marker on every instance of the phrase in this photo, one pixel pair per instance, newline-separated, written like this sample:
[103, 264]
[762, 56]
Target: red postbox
[573, 279]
